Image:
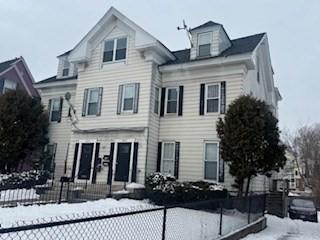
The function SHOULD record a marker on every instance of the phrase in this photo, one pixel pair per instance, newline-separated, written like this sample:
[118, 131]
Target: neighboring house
[15, 74]
[147, 108]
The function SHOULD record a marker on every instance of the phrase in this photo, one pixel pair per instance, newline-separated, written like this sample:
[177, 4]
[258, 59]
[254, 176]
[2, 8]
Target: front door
[123, 162]
[85, 161]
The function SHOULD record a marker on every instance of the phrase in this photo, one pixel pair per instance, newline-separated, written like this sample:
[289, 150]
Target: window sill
[90, 116]
[122, 62]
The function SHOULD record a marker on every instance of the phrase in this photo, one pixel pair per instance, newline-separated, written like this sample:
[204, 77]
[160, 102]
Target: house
[15, 74]
[135, 107]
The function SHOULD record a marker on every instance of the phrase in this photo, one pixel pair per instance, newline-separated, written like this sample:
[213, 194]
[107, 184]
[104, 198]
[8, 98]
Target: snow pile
[135, 186]
[18, 194]
[286, 228]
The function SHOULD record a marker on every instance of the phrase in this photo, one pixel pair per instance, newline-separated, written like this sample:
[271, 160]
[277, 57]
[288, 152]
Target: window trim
[166, 101]
[204, 160]
[198, 45]
[206, 98]
[123, 94]
[51, 108]
[162, 155]
[115, 43]
[155, 99]
[88, 99]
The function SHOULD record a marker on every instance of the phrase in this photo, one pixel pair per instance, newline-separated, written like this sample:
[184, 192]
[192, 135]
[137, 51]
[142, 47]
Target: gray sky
[39, 30]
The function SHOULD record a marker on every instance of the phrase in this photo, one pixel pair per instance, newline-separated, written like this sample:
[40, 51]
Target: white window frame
[66, 65]
[162, 155]
[166, 103]
[198, 43]
[88, 99]
[205, 160]
[6, 83]
[115, 43]
[123, 97]
[206, 98]
[51, 107]
[92, 160]
[155, 100]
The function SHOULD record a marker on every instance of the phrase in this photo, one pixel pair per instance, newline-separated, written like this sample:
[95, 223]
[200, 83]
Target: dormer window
[115, 50]
[204, 44]
[66, 67]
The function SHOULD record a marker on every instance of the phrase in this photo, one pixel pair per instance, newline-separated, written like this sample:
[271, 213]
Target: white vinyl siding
[212, 98]
[211, 161]
[172, 95]
[156, 100]
[168, 157]
[115, 50]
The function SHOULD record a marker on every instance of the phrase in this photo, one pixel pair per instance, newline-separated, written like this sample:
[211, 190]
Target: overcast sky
[39, 30]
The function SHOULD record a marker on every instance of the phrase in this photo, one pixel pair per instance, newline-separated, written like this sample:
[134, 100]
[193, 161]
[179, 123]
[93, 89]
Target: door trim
[115, 157]
[92, 160]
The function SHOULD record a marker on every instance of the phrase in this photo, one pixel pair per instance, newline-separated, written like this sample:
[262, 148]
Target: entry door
[123, 162]
[85, 161]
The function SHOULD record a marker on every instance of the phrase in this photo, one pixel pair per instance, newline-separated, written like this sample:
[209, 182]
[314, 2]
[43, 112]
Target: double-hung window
[93, 101]
[9, 85]
[128, 97]
[172, 100]
[211, 159]
[115, 50]
[55, 110]
[204, 44]
[156, 100]
[168, 157]
[66, 67]
[212, 101]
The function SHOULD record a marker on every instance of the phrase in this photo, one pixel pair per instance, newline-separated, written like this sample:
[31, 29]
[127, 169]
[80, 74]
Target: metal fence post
[221, 213]
[249, 209]
[164, 223]
[60, 193]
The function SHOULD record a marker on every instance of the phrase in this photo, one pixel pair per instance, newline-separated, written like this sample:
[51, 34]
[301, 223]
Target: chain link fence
[192, 221]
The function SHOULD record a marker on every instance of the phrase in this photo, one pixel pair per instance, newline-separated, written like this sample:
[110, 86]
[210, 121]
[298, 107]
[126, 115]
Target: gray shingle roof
[5, 65]
[55, 79]
[238, 46]
[207, 24]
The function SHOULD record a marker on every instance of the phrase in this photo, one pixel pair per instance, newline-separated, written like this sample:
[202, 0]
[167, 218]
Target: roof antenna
[185, 27]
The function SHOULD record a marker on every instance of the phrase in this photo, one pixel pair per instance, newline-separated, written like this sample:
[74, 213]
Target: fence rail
[199, 220]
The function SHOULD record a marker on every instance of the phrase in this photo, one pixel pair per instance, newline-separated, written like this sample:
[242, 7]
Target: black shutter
[159, 157]
[49, 109]
[1, 85]
[221, 169]
[180, 111]
[84, 104]
[202, 92]
[176, 160]
[162, 101]
[95, 165]
[134, 163]
[100, 101]
[74, 165]
[110, 164]
[223, 97]
[60, 109]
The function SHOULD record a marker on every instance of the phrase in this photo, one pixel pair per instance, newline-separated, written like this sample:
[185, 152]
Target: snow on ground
[287, 229]
[18, 194]
[9, 216]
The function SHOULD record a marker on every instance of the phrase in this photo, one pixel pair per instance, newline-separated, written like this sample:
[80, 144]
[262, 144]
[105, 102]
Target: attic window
[115, 50]
[65, 70]
[204, 44]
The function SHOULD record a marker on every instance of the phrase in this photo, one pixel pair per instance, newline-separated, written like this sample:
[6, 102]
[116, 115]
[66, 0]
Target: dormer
[65, 67]
[208, 40]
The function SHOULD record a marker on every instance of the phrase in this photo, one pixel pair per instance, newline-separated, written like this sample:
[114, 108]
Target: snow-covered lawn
[181, 223]
[18, 194]
[287, 229]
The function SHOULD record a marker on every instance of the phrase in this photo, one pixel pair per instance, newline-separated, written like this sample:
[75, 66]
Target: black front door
[85, 161]
[123, 162]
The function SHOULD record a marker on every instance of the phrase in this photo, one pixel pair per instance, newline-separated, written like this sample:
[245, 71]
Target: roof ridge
[248, 36]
